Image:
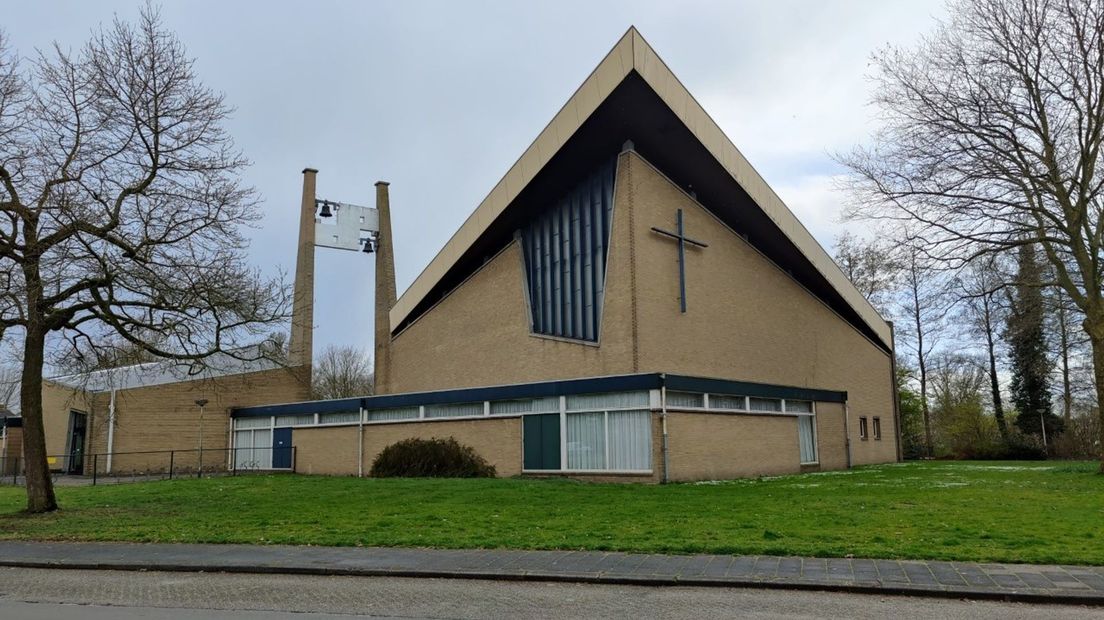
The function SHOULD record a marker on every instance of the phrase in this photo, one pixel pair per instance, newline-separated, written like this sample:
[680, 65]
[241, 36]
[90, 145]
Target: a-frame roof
[633, 81]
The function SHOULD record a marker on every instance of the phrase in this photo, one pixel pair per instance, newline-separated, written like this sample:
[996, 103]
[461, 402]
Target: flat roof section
[566, 387]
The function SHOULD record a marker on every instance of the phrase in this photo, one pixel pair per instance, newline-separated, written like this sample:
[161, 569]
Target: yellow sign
[51, 460]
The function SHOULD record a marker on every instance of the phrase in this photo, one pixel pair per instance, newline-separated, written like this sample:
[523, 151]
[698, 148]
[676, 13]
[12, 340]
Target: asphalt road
[34, 594]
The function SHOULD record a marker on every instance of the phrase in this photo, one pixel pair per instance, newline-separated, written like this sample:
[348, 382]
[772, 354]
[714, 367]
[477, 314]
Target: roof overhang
[632, 95]
[542, 389]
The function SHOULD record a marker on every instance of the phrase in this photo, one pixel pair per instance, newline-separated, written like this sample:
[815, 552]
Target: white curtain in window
[453, 410]
[612, 400]
[400, 413]
[722, 401]
[630, 440]
[799, 406]
[586, 441]
[294, 420]
[243, 453]
[548, 404]
[503, 407]
[262, 449]
[685, 399]
[338, 418]
[805, 438]
[240, 423]
[764, 404]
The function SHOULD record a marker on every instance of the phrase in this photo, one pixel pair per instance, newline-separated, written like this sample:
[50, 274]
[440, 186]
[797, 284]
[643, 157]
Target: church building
[630, 302]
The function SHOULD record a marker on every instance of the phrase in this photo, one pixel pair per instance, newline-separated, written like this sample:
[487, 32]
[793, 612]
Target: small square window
[877, 429]
[862, 429]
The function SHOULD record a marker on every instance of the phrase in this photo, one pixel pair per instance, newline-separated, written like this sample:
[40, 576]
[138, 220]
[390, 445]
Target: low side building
[129, 419]
[645, 427]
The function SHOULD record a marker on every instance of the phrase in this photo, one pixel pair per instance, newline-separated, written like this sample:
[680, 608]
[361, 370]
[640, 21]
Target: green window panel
[541, 441]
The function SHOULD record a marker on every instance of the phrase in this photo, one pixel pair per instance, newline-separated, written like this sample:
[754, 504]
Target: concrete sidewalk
[1082, 585]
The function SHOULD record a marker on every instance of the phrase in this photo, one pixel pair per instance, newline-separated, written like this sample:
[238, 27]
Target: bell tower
[342, 226]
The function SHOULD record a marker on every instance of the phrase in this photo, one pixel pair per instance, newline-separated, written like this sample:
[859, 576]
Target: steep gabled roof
[632, 95]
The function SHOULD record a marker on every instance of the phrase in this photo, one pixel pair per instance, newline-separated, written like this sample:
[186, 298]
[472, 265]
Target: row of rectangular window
[693, 400]
[549, 404]
[864, 432]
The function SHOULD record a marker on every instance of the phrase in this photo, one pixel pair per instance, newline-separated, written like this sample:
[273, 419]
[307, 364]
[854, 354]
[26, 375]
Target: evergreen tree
[1027, 349]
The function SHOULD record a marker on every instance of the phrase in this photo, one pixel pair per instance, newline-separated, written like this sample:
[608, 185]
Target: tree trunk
[40, 487]
[994, 382]
[1095, 331]
[921, 364]
[1067, 390]
[924, 408]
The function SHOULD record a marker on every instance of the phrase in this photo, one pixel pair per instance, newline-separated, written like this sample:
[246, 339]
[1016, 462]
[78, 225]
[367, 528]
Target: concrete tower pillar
[385, 291]
[301, 343]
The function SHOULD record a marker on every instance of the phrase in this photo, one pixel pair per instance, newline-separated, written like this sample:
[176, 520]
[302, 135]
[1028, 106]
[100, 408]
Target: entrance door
[78, 423]
[541, 442]
[281, 448]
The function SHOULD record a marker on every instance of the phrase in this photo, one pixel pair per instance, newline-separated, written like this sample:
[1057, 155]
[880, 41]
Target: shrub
[430, 458]
[1018, 447]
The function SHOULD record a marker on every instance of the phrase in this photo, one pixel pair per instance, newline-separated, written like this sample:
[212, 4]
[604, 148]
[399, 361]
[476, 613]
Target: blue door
[281, 448]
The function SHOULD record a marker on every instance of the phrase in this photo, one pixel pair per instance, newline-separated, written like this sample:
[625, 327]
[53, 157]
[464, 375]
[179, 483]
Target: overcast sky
[440, 98]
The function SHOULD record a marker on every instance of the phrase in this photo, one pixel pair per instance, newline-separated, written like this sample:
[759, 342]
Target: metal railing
[157, 465]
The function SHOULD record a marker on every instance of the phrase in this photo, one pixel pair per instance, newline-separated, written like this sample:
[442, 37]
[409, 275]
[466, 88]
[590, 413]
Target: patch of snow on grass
[1004, 467]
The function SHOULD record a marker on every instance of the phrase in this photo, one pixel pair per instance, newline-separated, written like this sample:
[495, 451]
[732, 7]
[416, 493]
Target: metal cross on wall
[682, 241]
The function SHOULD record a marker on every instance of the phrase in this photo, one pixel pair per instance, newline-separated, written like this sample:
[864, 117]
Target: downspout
[896, 393]
[110, 429]
[663, 418]
[847, 431]
[360, 444]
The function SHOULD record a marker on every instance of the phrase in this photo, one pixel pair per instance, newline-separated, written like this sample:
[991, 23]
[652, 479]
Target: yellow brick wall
[746, 319]
[479, 334]
[165, 417]
[13, 445]
[718, 446]
[57, 402]
[330, 451]
[333, 450]
[831, 437]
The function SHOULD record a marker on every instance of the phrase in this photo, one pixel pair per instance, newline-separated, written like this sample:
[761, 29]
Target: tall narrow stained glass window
[565, 250]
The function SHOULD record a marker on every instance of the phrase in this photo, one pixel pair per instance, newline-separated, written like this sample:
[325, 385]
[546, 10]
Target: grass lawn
[993, 511]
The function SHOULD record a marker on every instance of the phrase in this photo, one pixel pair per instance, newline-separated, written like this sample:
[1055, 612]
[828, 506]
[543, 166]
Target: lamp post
[201, 403]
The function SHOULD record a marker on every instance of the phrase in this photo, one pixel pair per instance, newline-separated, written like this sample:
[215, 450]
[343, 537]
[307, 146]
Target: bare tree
[120, 214]
[991, 138]
[342, 372]
[9, 388]
[923, 302]
[872, 266]
[979, 286]
[1071, 348]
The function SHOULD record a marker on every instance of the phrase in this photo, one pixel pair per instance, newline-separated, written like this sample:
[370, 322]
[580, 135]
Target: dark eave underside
[566, 387]
[633, 111]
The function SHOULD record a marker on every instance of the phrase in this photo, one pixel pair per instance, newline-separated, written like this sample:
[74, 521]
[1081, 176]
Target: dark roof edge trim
[616, 383]
[744, 388]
